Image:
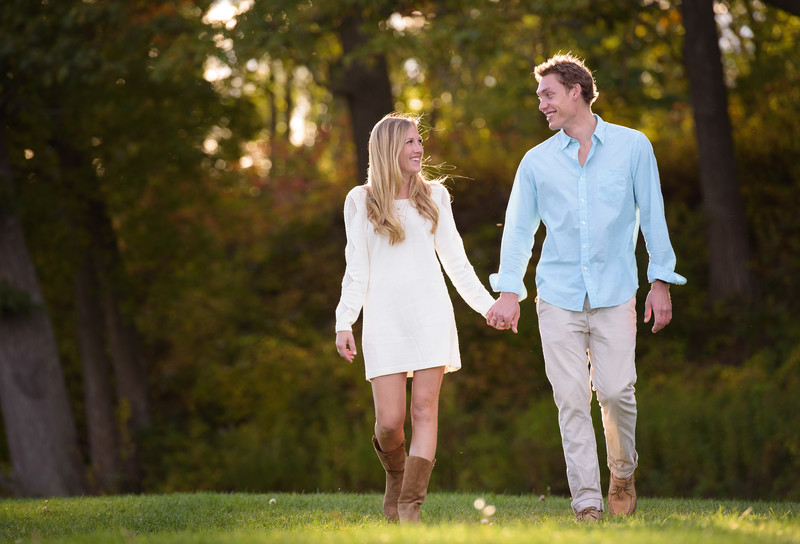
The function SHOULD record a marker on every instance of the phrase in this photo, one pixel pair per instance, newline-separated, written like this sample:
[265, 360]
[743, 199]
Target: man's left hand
[658, 305]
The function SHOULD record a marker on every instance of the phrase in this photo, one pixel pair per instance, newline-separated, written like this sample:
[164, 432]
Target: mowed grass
[355, 518]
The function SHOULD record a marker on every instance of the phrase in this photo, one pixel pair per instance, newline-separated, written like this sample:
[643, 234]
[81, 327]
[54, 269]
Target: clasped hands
[504, 313]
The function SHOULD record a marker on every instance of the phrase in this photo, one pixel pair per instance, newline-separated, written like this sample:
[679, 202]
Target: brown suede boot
[415, 488]
[394, 463]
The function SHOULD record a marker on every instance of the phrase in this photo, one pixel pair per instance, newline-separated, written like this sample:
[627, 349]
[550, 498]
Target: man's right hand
[504, 314]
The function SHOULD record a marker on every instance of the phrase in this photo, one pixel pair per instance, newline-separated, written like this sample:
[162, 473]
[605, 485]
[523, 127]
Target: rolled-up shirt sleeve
[521, 222]
[650, 203]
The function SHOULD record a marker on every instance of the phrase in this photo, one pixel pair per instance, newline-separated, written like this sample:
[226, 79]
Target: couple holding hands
[594, 185]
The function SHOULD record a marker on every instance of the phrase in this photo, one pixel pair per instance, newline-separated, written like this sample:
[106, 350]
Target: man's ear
[575, 92]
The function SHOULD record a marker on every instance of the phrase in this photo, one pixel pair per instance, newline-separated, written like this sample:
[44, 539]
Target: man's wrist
[508, 295]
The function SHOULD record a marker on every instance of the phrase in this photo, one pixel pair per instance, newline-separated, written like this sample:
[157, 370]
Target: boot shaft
[415, 488]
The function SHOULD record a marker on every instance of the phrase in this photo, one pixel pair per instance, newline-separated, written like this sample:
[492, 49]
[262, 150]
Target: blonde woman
[397, 224]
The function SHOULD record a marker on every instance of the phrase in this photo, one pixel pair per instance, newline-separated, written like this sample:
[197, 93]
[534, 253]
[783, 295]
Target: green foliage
[241, 438]
[722, 431]
[14, 302]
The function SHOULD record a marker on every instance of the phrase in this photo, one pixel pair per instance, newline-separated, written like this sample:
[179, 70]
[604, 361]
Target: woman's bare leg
[425, 412]
[389, 396]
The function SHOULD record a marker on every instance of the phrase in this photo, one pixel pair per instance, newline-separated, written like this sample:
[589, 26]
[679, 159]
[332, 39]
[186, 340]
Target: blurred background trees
[171, 253]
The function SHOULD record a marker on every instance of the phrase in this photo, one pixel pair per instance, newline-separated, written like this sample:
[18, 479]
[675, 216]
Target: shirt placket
[583, 215]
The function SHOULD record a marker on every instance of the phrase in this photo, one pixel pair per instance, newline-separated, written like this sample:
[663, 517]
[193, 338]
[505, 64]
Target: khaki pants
[592, 349]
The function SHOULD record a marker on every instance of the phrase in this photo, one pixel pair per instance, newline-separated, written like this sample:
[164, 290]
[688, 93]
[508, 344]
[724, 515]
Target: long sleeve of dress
[356, 274]
[453, 257]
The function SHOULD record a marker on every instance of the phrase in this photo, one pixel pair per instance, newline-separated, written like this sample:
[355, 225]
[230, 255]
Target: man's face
[558, 104]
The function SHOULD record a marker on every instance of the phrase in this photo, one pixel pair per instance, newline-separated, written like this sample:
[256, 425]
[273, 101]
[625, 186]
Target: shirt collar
[562, 139]
[599, 133]
[600, 129]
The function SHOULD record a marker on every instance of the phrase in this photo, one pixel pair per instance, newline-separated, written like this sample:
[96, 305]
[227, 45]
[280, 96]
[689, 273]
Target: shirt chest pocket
[612, 184]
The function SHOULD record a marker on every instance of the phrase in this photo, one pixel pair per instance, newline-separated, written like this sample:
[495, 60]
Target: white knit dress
[408, 316]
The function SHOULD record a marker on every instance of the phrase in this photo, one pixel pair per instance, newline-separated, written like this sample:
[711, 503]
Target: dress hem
[410, 372]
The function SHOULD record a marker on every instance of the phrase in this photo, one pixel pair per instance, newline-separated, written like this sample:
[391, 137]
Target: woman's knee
[425, 409]
[389, 426]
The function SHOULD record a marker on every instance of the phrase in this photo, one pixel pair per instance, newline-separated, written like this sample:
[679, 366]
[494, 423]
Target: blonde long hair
[384, 178]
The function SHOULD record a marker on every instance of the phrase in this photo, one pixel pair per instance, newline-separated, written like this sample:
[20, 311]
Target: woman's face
[410, 160]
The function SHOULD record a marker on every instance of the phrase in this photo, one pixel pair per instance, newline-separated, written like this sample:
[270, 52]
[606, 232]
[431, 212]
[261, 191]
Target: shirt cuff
[656, 272]
[343, 327]
[503, 284]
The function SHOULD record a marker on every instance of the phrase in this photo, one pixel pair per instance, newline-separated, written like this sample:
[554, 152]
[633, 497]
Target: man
[592, 185]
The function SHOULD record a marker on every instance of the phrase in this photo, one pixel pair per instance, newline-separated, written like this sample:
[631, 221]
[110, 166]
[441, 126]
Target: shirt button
[583, 222]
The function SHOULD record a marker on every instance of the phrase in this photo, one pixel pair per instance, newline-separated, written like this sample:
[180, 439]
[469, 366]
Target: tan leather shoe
[621, 496]
[590, 513]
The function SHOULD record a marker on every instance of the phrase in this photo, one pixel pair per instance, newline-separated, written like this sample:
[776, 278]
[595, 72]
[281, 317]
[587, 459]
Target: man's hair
[569, 70]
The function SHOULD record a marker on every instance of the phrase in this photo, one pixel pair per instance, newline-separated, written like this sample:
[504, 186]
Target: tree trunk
[729, 248]
[122, 336]
[106, 326]
[97, 383]
[129, 368]
[101, 425]
[366, 88]
[92, 220]
[40, 429]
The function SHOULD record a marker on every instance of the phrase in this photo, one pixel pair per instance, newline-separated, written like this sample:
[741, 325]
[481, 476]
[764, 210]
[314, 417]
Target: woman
[396, 224]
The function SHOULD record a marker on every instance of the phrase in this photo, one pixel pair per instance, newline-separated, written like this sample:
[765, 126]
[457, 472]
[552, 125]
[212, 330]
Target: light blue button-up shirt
[592, 214]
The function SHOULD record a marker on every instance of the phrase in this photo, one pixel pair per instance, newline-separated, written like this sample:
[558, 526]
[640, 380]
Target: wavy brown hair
[384, 178]
[570, 70]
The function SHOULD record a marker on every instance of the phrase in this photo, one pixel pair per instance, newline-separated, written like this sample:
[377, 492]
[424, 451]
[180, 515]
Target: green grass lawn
[356, 518]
